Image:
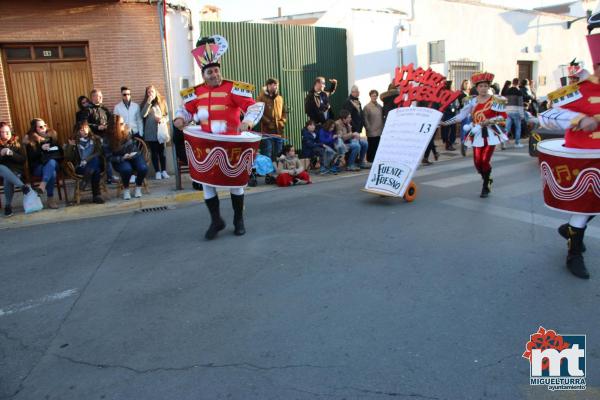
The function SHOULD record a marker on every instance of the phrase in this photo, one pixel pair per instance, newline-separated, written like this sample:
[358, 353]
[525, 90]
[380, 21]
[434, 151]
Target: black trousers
[449, 134]
[372, 149]
[157, 154]
[430, 148]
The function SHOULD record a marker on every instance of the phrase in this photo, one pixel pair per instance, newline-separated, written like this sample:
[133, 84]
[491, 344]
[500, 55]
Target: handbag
[162, 133]
[32, 202]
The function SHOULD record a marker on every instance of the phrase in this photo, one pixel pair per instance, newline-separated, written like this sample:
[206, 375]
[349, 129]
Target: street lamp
[588, 14]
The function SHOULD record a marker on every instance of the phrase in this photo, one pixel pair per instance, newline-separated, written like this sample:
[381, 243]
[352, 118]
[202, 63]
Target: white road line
[518, 189]
[519, 154]
[448, 166]
[516, 215]
[29, 304]
[474, 177]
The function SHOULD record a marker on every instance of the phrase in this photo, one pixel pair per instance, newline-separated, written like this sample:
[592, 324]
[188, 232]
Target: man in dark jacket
[316, 102]
[514, 110]
[353, 105]
[98, 115]
[387, 98]
[98, 118]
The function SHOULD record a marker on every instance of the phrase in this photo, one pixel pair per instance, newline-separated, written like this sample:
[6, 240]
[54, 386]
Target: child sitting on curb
[312, 148]
[330, 141]
[289, 169]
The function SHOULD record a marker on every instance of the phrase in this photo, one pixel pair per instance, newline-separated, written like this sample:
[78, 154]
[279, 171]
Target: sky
[239, 10]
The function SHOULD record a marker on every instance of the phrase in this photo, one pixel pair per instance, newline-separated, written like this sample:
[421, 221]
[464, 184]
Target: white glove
[201, 115]
[218, 126]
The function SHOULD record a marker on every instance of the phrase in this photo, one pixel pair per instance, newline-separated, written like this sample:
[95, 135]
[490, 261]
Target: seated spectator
[311, 148]
[352, 140]
[126, 157]
[85, 151]
[329, 140]
[44, 155]
[83, 103]
[289, 169]
[12, 163]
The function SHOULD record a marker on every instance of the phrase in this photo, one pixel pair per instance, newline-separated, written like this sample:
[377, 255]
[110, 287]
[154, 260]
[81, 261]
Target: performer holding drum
[485, 132]
[571, 168]
[220, 150]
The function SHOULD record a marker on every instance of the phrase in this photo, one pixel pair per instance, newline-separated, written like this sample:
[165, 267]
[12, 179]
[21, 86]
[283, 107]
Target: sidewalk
[162, 194]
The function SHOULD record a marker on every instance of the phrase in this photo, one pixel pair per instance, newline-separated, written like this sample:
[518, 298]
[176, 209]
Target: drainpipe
[165, 56]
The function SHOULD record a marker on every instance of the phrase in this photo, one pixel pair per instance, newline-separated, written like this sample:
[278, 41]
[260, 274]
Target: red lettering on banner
[422, 85]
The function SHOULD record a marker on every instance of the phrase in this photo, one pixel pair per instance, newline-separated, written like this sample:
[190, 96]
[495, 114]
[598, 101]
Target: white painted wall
[179, 44]
[494, 36]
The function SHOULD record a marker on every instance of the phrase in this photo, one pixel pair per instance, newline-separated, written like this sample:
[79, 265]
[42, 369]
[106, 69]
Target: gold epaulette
[243, 86]
[189, 94]
[186, 92]
[242, 89]
[499, 103]
[565, 95]
[500, 100]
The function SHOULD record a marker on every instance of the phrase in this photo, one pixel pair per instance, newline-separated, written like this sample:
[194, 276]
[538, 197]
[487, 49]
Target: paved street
[332, 294]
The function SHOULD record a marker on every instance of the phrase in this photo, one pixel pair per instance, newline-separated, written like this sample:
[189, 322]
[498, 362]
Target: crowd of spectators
[107, 145]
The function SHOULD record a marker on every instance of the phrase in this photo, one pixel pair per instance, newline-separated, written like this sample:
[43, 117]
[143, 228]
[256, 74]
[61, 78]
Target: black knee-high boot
[237, 201]
[487, 183]
[216, 222]
[575, 262]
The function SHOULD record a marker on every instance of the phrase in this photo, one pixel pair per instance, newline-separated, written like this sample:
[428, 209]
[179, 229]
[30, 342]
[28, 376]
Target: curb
[170, 198]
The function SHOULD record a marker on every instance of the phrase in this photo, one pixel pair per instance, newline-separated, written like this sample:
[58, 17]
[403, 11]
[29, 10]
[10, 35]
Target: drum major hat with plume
[209, 50]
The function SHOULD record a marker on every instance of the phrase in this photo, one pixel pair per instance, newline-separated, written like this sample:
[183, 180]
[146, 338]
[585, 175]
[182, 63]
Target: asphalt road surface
[332, 294]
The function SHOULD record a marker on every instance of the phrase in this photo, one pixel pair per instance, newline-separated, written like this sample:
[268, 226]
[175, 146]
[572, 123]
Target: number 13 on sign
[425, 128]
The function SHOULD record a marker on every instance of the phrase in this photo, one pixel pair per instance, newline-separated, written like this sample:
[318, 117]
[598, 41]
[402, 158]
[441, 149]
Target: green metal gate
[293, 54]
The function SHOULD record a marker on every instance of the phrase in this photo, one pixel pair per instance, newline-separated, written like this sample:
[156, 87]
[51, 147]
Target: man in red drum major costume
[575, 108]
[216, 105]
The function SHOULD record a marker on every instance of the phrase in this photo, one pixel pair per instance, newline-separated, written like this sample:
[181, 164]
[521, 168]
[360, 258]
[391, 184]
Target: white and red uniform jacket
[219, 109]
[570, 105]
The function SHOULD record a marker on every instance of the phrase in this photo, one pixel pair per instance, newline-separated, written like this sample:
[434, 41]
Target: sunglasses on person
[41, 126]
[126, 94]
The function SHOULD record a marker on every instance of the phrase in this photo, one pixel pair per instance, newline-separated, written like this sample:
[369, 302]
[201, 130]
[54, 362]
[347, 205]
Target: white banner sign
[405, 138]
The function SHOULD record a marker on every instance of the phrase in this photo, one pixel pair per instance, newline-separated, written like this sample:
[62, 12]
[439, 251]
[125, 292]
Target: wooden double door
[47, 90]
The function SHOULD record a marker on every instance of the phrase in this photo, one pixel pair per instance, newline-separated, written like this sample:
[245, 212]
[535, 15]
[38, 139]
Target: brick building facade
[121, 38]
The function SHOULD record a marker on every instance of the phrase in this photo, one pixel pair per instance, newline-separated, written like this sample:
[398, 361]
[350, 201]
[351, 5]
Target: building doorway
[45, 80]
[525, 70]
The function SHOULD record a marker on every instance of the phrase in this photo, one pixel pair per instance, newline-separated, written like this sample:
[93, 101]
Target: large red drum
[220, 160]
[571, 177]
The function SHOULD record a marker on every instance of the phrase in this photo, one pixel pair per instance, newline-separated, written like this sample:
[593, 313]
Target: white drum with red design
[220, 160]
[571, 177]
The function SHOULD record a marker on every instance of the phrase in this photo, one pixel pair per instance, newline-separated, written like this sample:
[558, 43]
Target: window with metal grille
[437, 52]
[458, 71]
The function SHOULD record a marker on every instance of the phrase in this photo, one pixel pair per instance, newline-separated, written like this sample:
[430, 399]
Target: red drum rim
[243, 137]
[555, 147]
